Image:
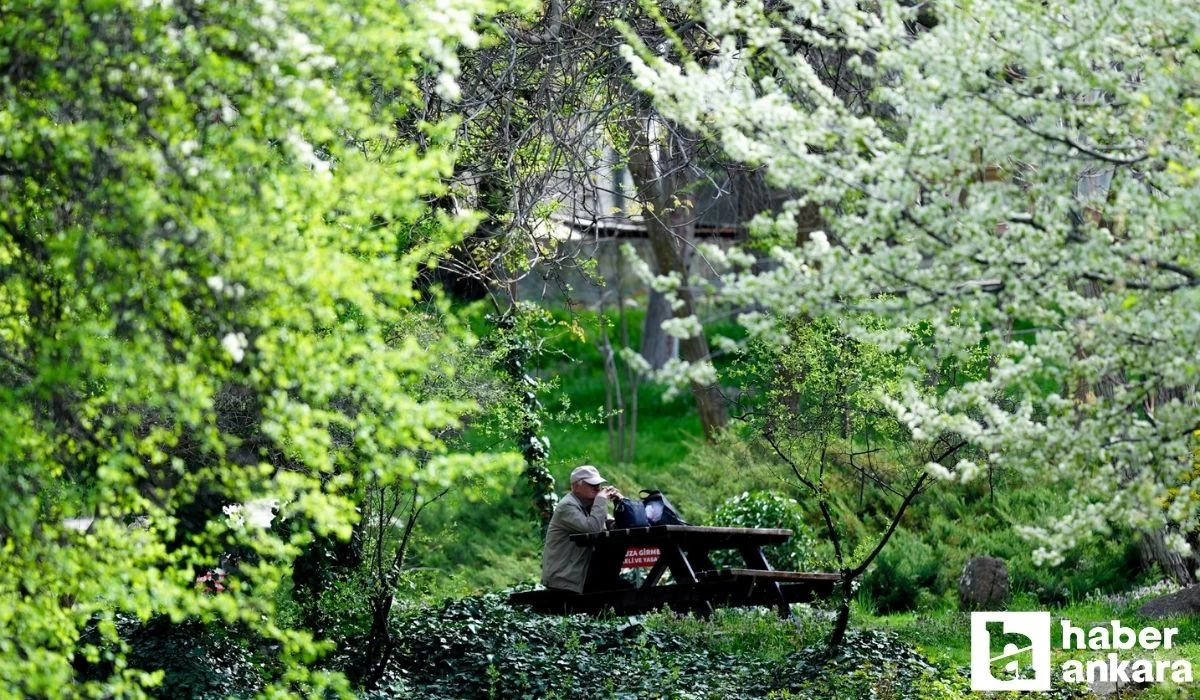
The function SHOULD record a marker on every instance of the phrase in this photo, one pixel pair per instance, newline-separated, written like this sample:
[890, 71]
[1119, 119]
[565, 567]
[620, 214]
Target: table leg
[755, 559]
[656, 571]
[682, 570]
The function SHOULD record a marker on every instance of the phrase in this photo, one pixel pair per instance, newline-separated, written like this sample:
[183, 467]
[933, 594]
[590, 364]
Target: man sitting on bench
[584, 509]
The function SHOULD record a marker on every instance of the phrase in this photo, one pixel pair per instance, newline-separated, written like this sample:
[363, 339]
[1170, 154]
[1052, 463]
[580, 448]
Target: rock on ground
[1184, 602]
[983, 584]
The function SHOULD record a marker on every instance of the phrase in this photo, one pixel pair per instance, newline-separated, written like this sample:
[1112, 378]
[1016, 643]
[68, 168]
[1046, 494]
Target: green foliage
[901, 572]
[823, 383]
[344, 605]
[771, 510]
[517, 341]
[196, 660]
[745, 633]
[871, 664]
[821, 416]
[210, 236]
[815, 410]
[961, 524]
[478, 647]
[919, 569]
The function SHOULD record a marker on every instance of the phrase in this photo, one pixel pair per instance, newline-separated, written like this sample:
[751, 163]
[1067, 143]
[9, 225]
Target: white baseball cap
[587, 473]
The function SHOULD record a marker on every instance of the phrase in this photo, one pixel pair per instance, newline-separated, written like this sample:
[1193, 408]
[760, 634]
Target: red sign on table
[640, 557]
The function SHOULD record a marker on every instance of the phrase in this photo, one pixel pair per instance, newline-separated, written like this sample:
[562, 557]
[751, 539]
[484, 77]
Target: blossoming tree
[209, 236]
[1019, 177]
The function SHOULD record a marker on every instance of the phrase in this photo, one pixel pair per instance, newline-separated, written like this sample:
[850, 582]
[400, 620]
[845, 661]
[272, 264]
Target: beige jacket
[564, 563]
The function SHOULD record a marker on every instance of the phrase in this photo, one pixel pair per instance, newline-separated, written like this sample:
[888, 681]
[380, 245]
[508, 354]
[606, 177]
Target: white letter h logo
[1015, 641]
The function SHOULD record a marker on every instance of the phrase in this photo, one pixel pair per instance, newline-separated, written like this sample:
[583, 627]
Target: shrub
[479, 647]
[906, 567]
[196, 660]
[768, 509]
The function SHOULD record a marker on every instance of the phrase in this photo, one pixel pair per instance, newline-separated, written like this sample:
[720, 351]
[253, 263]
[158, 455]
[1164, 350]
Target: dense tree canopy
[1020, 177]
[209, 237]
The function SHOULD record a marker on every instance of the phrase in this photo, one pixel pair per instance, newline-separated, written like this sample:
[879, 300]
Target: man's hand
[611, 493]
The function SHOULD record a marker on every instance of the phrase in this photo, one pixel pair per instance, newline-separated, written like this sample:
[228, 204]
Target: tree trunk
[464, 273]
[1154, 550]
[614, 399]
[669, 219]
[842, 621]
[632, 378]
[378, 649]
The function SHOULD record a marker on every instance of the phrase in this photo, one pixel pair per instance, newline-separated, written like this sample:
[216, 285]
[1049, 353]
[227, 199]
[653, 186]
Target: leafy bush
[479, 647]
[194, 659]
[906, 567]
[344, 605]
[986, 528]
[1097, 567]
[767, 509]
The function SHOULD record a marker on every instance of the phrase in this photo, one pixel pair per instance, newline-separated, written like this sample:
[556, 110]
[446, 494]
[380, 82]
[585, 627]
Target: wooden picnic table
[698, 585]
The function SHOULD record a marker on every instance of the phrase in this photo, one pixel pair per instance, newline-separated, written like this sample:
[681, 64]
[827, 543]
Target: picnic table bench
[699, 585]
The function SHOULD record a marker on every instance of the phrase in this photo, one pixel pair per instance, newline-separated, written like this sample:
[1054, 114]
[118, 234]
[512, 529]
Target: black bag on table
[658, 510]
[629, 513]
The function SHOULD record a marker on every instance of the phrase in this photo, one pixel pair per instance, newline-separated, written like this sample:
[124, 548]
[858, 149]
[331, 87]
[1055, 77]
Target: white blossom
[1005, 193]
[713, 255]
[257, 514]
[235, 344]
[739, 258]
[665, 284]
[673, 375]
[726, 344]
[702, 373]
[938, 471]
[306, 155]
[640, 268]
[686, 327]
[636, 361]
[448, 88]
